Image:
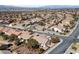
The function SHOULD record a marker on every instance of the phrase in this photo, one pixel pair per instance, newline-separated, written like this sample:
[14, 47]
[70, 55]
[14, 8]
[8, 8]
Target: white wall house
[56, 29]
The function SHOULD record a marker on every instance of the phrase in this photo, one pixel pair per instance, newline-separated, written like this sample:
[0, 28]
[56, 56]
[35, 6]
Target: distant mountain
[15, 8]
[60, 6]
[4, 6]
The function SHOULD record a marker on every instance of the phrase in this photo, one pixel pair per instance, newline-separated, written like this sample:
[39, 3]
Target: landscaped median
[52, 48]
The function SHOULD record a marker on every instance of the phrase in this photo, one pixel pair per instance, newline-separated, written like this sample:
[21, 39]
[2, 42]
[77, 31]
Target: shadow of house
[5, 46]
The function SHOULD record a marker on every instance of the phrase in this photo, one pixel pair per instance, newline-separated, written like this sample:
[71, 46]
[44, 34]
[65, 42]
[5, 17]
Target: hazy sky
[37, 3]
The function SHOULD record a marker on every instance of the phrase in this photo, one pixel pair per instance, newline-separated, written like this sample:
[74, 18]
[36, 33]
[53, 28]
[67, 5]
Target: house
[25, 35]
[41, 38]
[17, 32]
[5, 30]
[58, 28]
[10, 31]
[38, 27]
[35, 19]
[27, 22]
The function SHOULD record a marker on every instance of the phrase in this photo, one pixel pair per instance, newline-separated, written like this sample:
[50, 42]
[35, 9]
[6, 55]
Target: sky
[37, 3]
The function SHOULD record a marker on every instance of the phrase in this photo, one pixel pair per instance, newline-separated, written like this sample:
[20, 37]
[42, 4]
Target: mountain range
[7, 7]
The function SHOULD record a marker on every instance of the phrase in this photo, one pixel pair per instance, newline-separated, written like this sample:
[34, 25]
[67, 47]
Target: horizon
[37, 6]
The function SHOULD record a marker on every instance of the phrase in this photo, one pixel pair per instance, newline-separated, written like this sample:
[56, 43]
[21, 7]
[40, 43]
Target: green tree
[23, 25]
[5, 37]
[19, 41]
[72, 22]
[13, 37]
[55, 39]
[33, 43]
[41, 23]
[41, 50]
[2, 33]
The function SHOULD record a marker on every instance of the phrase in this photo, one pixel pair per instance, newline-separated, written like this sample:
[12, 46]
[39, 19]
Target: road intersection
[67, 41]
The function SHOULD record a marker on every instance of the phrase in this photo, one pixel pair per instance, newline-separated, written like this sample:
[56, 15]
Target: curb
[52, 48]
[66, 52]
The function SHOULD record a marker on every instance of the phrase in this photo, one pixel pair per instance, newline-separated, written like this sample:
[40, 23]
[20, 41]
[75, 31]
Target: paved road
[62, 47]
[67, 41]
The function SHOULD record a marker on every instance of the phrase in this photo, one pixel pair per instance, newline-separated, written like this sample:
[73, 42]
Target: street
[67, 41]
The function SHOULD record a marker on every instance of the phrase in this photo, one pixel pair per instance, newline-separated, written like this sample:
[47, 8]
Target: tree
[41, 50]
[5, 37]
[66, 26]
[13, 37]
[72, 22]
[23, 25]
[41, 23]
[76, 18]
[75, 48]
[33, 43]
[19, 41]
[55, 39]
[2, 33]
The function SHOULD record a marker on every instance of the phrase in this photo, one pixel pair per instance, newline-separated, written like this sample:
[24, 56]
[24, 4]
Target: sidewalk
[50, 49]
